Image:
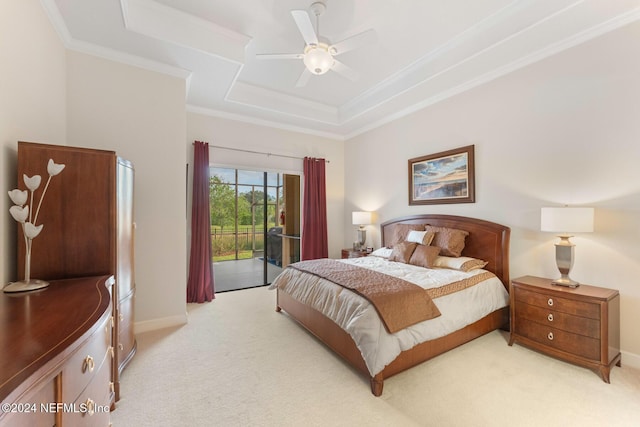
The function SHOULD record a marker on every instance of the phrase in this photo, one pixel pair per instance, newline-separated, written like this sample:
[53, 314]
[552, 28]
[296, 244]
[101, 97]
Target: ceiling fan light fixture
[317, 58]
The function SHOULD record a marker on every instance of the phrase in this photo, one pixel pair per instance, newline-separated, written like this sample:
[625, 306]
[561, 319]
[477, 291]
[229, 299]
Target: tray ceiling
[424, 50]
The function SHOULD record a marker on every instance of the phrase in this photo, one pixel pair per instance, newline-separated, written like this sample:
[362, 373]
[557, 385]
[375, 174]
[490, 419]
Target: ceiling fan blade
[305, 26]
[304, 78]
[345, 71]
[279, 56]
[353, 42]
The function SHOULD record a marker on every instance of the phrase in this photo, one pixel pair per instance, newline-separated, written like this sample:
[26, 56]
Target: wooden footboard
[341, 342]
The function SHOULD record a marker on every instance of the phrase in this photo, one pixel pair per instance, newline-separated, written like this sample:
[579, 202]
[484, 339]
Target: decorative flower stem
[35, 218]
[22, 213]
[27, 259]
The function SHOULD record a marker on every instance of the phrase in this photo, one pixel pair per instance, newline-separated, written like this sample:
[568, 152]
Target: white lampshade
[361, 218]
[318, 59]
[567, 220]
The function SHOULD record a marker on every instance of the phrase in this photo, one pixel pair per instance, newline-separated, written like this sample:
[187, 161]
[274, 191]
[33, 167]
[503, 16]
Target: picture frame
[445, 177]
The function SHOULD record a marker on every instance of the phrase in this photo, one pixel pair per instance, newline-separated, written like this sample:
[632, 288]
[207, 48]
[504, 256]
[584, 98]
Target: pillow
[450, 240]
[402, 252]
[424, 256]
[382, 252]
[462, 263]
[420, 237]
[399, 233]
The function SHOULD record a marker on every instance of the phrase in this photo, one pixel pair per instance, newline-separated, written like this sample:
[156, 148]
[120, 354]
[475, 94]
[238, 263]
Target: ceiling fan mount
[319, 54]
[318, 8]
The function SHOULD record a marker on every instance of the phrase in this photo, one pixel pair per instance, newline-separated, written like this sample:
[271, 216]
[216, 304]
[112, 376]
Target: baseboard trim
[163, 322]
[630, 359]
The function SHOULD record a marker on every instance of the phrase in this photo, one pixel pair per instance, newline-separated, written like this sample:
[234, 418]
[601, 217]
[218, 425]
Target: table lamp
[566, 220]
[360, 219]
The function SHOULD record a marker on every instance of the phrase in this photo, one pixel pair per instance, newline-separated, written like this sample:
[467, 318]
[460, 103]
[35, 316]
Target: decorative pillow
[424, 256]
[399, 233]
[382, 252]
[402, 252]
[462, 263]
[420, 237]
[450, 240]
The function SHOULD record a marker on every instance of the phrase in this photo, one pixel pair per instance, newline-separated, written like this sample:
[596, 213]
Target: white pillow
[382, 252]
[462, 263]
[420, 237]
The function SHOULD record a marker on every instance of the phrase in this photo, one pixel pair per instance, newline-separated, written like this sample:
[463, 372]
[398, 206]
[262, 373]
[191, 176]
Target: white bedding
[359, 318]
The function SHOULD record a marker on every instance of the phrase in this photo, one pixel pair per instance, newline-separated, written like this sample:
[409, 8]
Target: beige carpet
[239, 363]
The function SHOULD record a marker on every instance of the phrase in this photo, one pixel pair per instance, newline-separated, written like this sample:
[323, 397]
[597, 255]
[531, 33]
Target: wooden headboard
[486, 240]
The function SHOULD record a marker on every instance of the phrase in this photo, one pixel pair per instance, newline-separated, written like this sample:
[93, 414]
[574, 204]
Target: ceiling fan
[318, 54]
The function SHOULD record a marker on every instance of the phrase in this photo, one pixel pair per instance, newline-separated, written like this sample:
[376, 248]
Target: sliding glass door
[247, 212]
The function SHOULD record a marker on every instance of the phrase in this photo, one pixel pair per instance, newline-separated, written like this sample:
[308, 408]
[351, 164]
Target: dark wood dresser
[55, 363]
[580, 325]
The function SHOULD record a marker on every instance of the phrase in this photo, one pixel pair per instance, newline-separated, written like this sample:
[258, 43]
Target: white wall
[32, 103]
[141, 115]
[234, 134]
[563, 131]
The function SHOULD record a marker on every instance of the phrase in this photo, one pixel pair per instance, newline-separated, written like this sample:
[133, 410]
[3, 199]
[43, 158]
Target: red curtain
[200, 283]
[314, 211]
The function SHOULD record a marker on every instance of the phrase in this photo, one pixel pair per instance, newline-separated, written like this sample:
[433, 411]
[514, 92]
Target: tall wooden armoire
[87, 213]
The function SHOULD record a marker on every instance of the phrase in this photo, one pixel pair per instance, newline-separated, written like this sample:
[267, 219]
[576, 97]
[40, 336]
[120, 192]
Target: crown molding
[262, 122]
[280, 103]
[548, 51]
[171, 25]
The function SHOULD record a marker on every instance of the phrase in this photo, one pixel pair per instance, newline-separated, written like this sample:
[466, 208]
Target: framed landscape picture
[446, 177]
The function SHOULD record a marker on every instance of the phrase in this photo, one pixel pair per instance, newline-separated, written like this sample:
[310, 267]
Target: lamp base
[564, 261]
[361, 239]
[565, 281]
[25, 286]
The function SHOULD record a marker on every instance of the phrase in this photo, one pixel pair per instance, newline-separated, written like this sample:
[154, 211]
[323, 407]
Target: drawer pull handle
[112, 351]
[550, 302]
[550, 336]
[91, 406]
[121, 317]
[550, 317]
[88, 364]
[120, 346]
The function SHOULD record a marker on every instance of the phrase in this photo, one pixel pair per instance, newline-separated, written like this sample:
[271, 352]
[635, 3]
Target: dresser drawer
[31, 413]
[558, 339]
[91, 408]
[83, 365]
[126, 337]
[126, 344]
[563, 305]
[559, 320]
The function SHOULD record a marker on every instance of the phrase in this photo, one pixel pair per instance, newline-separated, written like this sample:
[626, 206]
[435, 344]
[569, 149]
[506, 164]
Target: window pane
[274, 179]
[224, 174]
[250, 177]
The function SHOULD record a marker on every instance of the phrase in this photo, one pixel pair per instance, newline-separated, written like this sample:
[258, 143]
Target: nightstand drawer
[559, 320]
[560, 340]
[564, 305]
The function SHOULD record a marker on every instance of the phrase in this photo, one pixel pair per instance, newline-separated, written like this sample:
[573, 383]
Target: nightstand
[579, 325]
[351, 253]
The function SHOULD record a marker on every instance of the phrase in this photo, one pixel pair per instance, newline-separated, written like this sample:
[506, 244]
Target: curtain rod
[259, 152]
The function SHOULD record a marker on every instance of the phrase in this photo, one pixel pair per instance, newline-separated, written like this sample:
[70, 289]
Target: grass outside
[232, 256]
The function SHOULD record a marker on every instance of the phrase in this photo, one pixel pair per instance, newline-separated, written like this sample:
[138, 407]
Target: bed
[486, 241]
